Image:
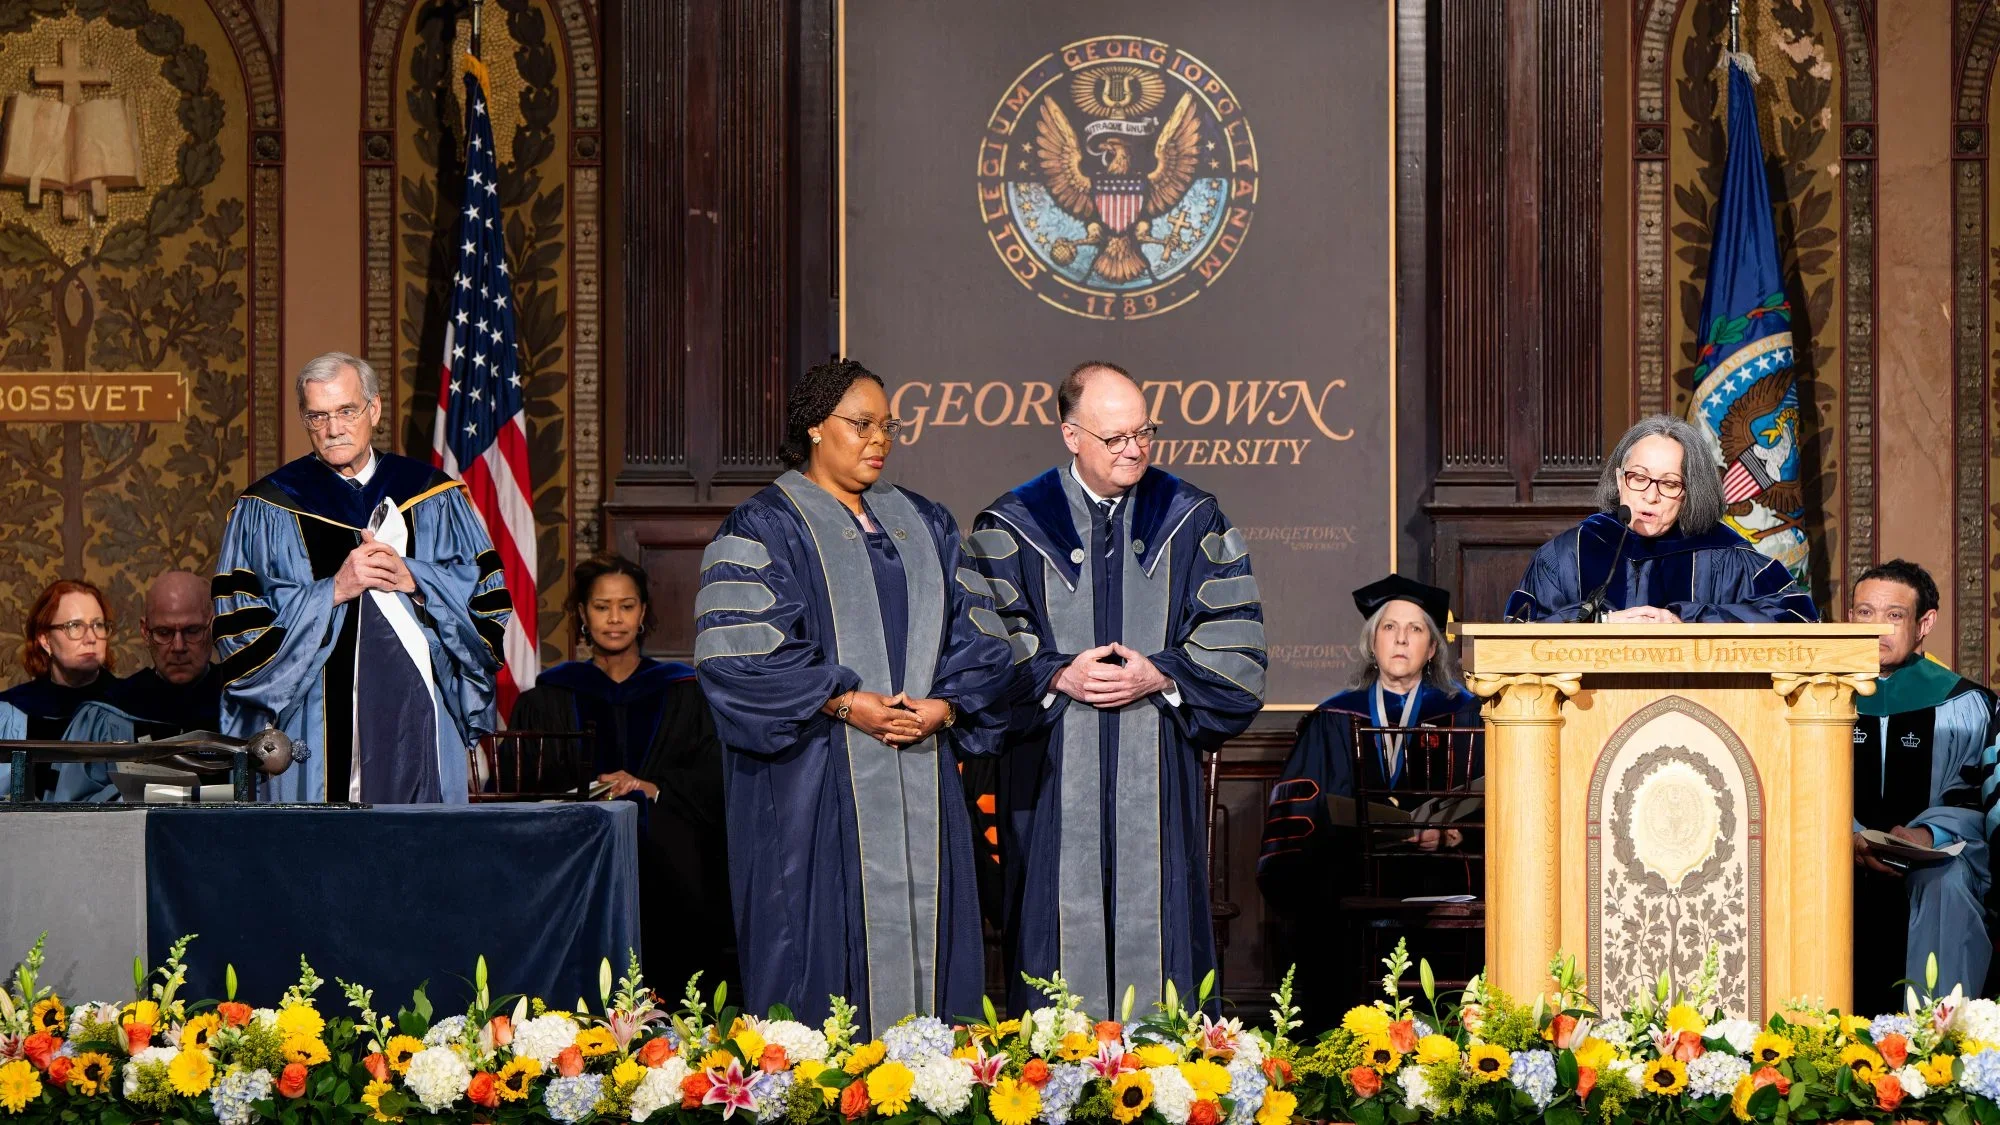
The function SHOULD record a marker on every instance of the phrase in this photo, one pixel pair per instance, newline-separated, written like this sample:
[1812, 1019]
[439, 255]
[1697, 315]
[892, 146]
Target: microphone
[1593, 606]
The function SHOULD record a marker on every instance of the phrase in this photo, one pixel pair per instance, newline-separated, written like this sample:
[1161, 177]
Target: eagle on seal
[1116, 197]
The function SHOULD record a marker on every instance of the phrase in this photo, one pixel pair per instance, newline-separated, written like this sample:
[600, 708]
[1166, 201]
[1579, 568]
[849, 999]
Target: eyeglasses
[163, 635]
[1670, 487]
[75, 630]
[865, 428]
[1116, 443]
[316, 420]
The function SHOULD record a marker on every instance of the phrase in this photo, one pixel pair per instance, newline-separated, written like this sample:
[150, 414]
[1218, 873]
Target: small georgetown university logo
[1117, 177]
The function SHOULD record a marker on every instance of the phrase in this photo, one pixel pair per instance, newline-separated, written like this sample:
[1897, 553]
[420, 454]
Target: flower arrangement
[1484, 1059]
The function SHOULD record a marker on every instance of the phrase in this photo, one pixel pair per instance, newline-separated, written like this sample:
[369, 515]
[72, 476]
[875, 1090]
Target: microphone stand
[1593, 606]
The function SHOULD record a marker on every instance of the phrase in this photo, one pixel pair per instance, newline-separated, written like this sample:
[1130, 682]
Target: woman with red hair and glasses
[66, 651]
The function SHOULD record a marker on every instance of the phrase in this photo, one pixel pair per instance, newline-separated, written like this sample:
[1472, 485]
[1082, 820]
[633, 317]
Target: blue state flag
[1746, 397]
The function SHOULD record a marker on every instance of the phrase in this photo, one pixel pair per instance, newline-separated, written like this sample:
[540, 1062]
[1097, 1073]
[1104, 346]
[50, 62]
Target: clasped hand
[1643, 613]
[373, 565]
[1090, 679]
[894, 720]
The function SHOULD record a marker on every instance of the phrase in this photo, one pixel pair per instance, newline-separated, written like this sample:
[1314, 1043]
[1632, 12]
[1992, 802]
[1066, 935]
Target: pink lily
[731, 1091]
[1109, 1062]
[986, 1071]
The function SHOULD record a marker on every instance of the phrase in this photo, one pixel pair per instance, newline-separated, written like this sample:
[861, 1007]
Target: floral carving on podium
[1674, 864]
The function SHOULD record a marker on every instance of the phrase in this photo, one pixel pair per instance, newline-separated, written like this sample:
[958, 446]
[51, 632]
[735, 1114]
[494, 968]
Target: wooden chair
[1440, 764]
[526, 765]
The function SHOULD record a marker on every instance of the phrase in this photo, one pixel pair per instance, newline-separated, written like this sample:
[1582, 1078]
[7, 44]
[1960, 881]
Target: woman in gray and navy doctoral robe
[850, 657]
[1679, 563]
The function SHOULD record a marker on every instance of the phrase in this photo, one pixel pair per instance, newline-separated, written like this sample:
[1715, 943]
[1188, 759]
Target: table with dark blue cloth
[396, 895]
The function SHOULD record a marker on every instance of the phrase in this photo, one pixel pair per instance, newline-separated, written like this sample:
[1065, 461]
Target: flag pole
[478, 4]
[1735, 25]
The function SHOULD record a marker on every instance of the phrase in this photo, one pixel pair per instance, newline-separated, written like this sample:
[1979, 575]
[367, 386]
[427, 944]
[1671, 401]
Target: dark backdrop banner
[1196, 191]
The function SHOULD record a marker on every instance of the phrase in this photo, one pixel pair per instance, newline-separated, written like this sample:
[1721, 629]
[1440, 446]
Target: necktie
[1105, 508]
[354, 483]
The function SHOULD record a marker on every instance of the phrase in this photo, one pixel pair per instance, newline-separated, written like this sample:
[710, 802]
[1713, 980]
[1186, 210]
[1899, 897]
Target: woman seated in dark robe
[852, 655]
[653, 743]
[66, 651]
[1681, 561]
[1308, 862]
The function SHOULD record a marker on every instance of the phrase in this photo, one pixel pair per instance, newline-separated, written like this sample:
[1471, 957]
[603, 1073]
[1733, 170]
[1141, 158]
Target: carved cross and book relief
[71, 145]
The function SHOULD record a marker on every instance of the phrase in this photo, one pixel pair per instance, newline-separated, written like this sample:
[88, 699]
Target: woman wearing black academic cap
[1410, 679]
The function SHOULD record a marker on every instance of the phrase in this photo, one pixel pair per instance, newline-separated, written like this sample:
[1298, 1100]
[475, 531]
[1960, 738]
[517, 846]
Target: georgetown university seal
[1117, 177]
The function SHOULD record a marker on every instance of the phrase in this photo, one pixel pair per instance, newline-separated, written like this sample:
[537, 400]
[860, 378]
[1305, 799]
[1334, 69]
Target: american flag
[481, 435]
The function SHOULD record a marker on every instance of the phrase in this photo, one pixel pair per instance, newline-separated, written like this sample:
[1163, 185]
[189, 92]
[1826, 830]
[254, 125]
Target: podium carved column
[1820, 709]
[1523, 825]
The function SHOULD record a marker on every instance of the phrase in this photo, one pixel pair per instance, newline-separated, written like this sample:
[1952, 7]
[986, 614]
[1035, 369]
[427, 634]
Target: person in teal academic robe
[359, 607]
[1674, 561]
[1138, 645]
[1924, 747]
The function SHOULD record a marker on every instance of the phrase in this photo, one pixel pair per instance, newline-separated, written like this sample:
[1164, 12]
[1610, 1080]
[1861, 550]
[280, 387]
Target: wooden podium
[1654, 788]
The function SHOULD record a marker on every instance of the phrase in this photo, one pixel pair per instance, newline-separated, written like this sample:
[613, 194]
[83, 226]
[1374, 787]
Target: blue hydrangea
[1059, 1093]
[1715, 1074]
[572, 1099]
[769, 1089]
[1897, 1024]
[1534, 1074]
[925, 1037]
[446, 1030]
[1246, 1090]
[1982, 1075]
[232, 1097]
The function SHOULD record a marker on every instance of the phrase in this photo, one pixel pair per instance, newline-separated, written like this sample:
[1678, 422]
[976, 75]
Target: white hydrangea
[1979, 1019]
[660, 1088]
[943, 1084]
[1714, 1074]
[1172, 1096]
[1049, 1030]
[1912, 1082]
[1634, 1071]
[437, 1077]
[1417, 1089]
[1249, 1048]
[544, 1037]
[1739, 1034]
[268, 1017]
[1615, 1033]
[161, 1055]
[444, 1031]
[801, 1043]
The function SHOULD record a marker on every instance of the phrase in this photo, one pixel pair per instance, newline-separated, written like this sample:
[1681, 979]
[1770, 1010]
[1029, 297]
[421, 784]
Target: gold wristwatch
[846, 705]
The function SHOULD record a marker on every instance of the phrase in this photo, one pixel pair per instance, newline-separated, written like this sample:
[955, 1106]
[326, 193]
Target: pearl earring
[815, 438]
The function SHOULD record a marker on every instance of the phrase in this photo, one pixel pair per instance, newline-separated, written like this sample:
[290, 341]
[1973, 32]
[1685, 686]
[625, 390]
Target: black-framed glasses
[1670, 487]
[163, 635]
[1116, 443]
[865, 428]
[316, 420]
[75, 629]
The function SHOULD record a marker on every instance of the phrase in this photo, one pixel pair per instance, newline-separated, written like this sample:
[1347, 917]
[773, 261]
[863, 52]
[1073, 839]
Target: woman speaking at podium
[1658, 551]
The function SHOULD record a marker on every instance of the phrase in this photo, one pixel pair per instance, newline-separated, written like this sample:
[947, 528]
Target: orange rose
[502, 1030]
[1894, 1049]
[1035, 1073]
[1688, 1046]
[1110, 1031]
[59, 1068]
[378, 1067]
[1277, 1072]
[1586, 1081]
[1888, 1092]
[656, 1052]
[39, 1048]
[1205, 1112]
[483, 1090]
[1769, 1076]
[569, 1061]
[854, 1100]
[138, 1036]
[695, 1087]
[1403, 1036]
[773, 1060]
[292, 1081]
[233, 1013]
[1365, 1081]
[1561, 1030]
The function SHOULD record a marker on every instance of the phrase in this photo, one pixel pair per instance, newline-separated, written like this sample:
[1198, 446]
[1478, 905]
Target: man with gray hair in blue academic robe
[359, 607]
[1138, 644]
[1923, 774]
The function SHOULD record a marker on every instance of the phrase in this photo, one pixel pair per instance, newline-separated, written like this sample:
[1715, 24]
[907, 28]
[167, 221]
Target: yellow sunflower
[312, 1052]
[1862, 1060]
[1076, 1047]
[1853, 1026]
[1131, 1095]
[865, 1056]
[627, 1073]
[1665, 1077]
[301, 1019]
[1770, 1049]
[371, 1097]
[399, 1052]
[1490, 1063]
[1436, 1049]
[1739, 1099]
[49, 1017]
[1937, 1071]
[515, 1078]
[716, 1060]
[19, 1085]
[1210, 1081]
[1366, 1020]
[596, 1042]
[889, 1088]
[1012, 1102]
[92, 1072]
[197, 1033]
[191, 1073]
[1381, 1054]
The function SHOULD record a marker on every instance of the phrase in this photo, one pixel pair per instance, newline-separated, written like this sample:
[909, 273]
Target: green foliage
[1509, 1024]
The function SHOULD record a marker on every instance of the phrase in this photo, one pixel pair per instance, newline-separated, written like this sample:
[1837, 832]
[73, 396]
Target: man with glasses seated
[360, 608]
[1138, 643]
[1680, 562]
